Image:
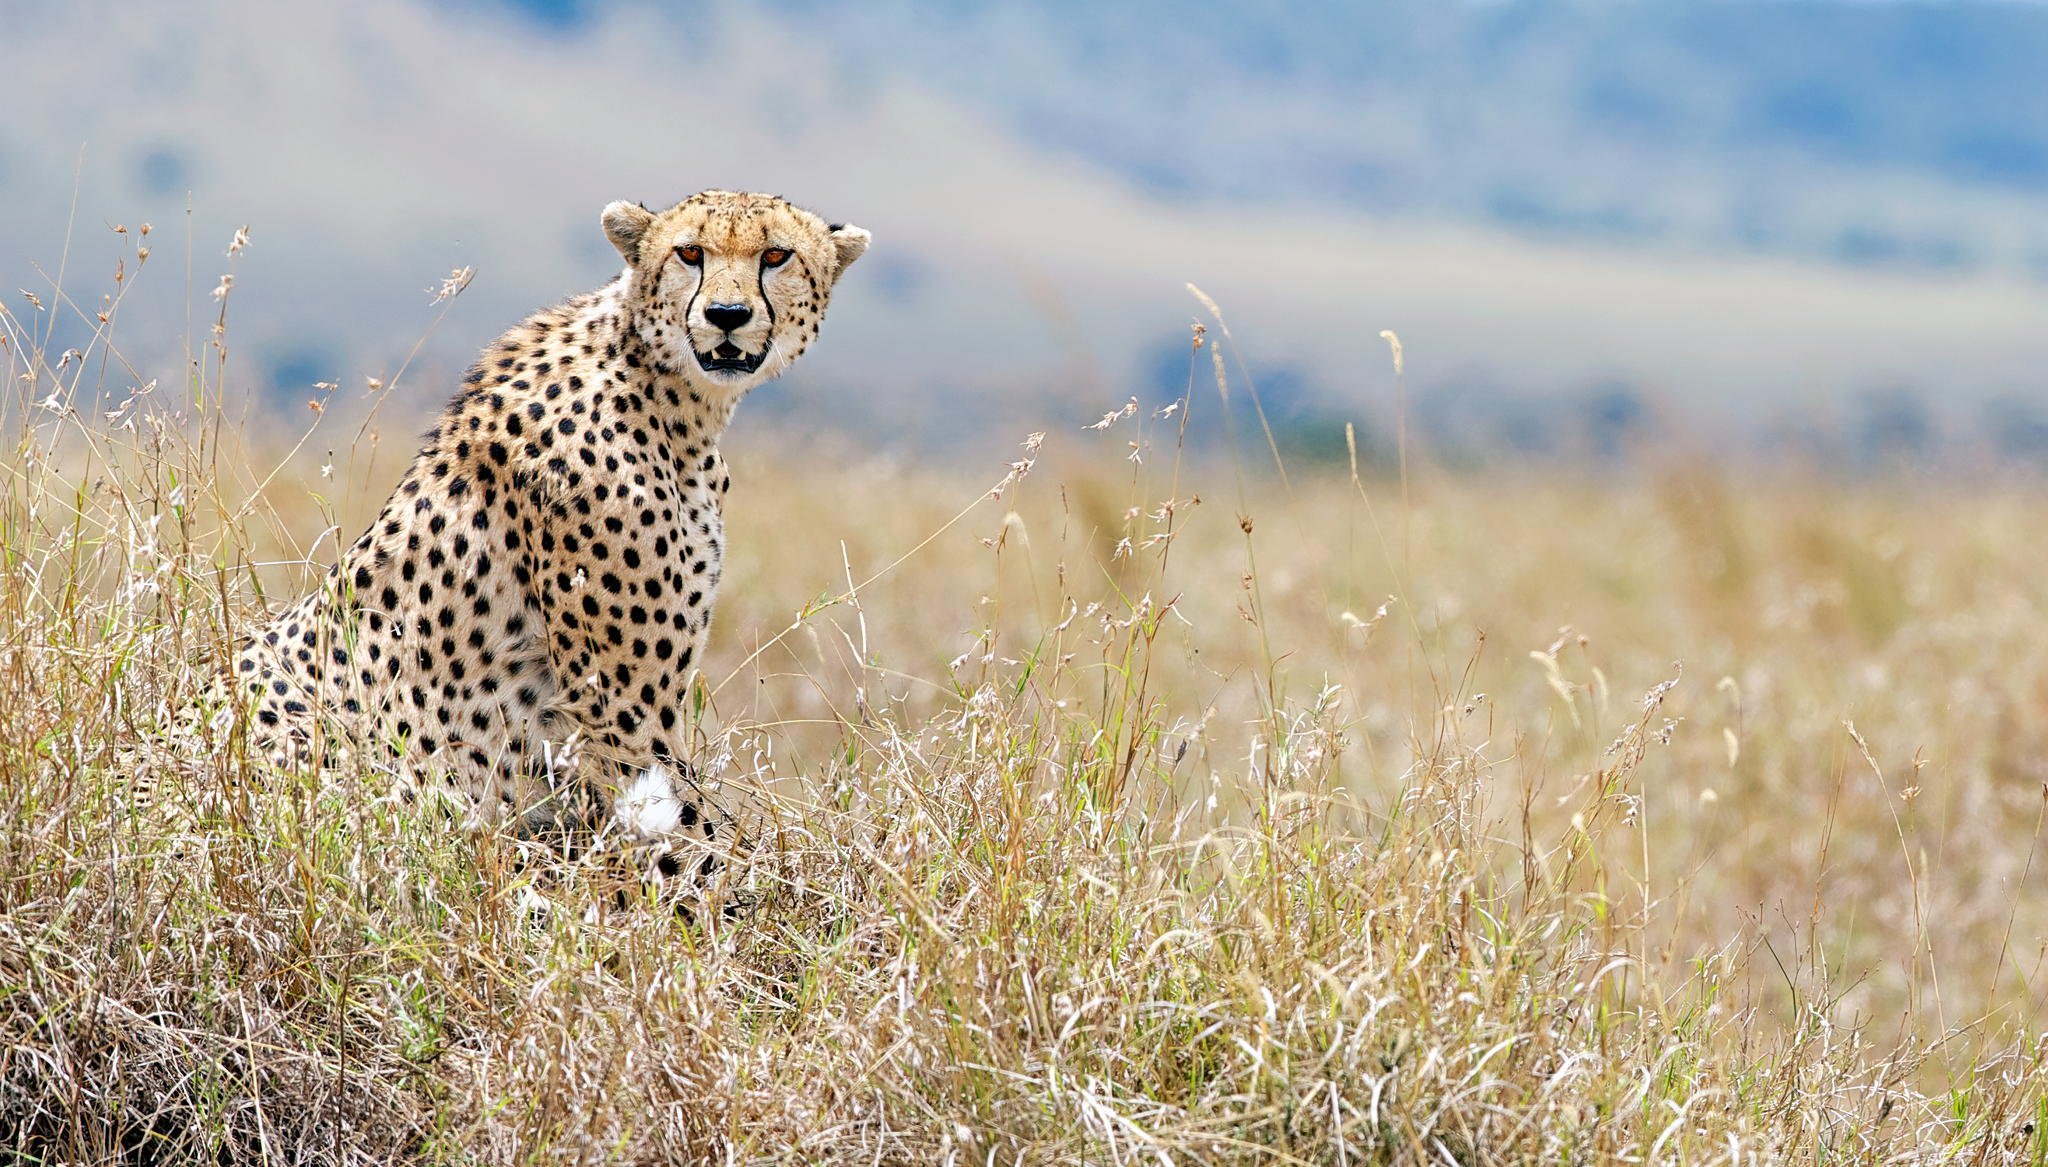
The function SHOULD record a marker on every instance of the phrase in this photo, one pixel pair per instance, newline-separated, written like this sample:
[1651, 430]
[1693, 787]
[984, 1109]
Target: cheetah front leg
[622, 775]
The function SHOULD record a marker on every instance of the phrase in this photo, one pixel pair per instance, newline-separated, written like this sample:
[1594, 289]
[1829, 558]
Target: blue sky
[1738, 210]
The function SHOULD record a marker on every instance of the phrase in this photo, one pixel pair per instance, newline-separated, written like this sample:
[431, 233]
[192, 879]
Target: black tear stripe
[761, 284]
[689, 307]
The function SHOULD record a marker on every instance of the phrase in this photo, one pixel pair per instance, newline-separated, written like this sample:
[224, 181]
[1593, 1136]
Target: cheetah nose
[728, 316]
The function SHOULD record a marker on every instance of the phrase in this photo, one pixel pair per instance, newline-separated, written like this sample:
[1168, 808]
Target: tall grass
[1146, 807]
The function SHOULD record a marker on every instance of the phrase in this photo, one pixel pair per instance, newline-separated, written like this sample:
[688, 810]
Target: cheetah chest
[625, 571]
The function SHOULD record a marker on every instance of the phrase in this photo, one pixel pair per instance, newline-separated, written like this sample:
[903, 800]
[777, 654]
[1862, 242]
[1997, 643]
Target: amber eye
[775, 257]
[691, 254]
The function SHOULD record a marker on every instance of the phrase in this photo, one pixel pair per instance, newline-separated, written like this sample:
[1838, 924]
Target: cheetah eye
[775, 257]
[691, 254]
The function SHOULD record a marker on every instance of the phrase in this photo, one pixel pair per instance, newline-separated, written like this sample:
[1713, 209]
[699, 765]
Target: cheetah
[519, 624]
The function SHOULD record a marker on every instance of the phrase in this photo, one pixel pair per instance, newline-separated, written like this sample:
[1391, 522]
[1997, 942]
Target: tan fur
[543, 576]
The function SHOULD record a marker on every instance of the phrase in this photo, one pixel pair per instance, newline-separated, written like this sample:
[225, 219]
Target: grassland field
[1144, 801]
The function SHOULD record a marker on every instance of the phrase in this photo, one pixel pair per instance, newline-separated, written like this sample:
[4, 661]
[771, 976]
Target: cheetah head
[729, 288]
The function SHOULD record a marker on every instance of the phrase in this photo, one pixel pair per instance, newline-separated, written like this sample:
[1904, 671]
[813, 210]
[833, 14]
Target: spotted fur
[521, 620]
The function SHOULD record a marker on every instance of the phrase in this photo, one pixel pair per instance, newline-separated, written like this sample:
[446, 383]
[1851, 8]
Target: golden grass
[1151, 810]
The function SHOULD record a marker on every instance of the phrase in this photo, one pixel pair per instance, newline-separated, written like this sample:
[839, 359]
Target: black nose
[728, 316]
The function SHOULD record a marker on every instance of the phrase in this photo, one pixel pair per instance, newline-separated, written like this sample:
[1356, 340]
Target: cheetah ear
[851, 241]
[624, 224]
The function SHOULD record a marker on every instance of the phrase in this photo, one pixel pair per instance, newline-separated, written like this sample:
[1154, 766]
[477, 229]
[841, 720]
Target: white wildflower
[452, 285]
[1109, 419]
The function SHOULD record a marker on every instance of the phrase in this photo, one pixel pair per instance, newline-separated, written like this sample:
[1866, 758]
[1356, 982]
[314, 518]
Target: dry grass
[1335, 821]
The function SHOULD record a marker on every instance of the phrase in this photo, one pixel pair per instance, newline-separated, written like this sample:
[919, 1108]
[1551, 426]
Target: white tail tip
[648, 809]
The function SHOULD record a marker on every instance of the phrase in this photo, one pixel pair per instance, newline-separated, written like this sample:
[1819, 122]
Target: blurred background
[1803, 229]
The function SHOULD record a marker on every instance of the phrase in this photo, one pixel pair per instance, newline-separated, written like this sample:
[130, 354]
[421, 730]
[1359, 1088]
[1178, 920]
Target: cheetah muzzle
[727, 358]
[520, 624]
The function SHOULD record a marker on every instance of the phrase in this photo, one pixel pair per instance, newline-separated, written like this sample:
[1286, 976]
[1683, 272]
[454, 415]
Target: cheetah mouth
[728, 358]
